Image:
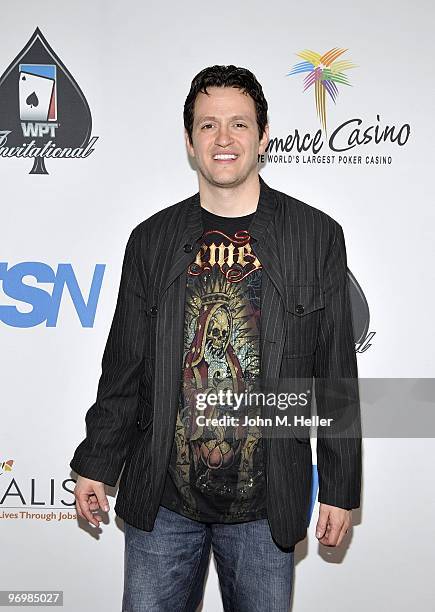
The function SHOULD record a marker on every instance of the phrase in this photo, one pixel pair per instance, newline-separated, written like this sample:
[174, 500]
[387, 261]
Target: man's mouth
[225, 157]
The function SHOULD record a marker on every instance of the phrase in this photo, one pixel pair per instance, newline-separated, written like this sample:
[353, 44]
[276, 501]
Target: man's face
[225, 124]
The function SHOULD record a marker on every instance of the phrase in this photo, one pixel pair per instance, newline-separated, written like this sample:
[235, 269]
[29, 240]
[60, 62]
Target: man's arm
[111, 420]
[336, 388]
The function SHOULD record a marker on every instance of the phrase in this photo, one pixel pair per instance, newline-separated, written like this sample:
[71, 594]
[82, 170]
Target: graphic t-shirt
[216, 469]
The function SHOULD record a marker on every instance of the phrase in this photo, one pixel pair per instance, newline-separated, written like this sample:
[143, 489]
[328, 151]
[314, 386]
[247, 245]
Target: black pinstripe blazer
[305, 332]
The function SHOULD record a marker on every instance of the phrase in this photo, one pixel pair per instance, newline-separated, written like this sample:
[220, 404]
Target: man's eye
[242, 124]
[206, 125]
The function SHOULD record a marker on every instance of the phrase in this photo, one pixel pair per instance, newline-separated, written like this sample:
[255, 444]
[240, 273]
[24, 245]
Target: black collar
[265, 210]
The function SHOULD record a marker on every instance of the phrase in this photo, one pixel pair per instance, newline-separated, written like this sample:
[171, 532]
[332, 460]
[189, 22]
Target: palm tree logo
[324, 73]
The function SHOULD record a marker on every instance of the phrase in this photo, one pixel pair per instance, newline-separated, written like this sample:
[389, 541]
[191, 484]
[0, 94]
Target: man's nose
[223, 137]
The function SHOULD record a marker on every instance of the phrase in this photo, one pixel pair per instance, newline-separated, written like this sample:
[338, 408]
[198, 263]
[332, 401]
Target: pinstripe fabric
[132, 421]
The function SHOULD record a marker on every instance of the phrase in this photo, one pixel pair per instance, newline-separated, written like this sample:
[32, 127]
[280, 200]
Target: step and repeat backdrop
[91, 143]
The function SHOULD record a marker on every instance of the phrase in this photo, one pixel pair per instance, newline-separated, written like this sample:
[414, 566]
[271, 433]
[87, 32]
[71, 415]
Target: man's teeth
[224, 156]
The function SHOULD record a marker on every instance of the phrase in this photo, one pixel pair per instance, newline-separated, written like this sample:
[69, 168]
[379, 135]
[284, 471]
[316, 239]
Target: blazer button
[299, 309]
[153, 310]
[188, 248]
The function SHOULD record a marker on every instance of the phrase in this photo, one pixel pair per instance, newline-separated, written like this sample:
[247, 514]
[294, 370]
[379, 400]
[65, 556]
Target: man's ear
[264, 140]
[188, 145]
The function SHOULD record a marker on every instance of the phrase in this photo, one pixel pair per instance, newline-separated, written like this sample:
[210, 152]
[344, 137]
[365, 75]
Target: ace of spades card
[35, 94]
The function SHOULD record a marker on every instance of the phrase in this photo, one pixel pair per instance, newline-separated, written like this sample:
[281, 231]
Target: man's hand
[332, 525]
[90, 495]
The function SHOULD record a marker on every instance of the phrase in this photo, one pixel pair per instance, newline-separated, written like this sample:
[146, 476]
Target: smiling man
[234, 286]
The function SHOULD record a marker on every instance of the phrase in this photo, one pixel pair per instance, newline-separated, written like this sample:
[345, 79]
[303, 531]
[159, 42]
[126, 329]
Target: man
[236, 287]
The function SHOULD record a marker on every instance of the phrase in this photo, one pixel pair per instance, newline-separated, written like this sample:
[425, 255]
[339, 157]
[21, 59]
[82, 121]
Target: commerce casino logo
[352, 142]
[325, 73]
[44, 114]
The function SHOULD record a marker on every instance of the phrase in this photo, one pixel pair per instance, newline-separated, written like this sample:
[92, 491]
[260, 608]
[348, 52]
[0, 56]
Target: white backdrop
[134, 63]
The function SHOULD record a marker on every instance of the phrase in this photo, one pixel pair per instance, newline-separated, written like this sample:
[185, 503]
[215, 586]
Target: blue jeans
[165, 568]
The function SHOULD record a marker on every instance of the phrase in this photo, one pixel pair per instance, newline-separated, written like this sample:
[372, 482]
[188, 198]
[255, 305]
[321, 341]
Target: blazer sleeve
[336, 387]
[112, 420]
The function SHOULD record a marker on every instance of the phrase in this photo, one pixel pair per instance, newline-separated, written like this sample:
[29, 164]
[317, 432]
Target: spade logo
[32, 100]
[43, 112]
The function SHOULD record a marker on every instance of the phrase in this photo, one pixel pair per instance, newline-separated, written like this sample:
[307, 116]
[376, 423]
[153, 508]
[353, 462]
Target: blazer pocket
[145, 414]
[303, 440]
[304, 306]
[145, 394]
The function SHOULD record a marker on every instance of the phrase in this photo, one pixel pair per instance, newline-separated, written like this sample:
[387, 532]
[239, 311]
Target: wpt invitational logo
[366, 139]
[44, 114]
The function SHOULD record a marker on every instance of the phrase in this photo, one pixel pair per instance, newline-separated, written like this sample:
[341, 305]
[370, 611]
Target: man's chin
[225, 181]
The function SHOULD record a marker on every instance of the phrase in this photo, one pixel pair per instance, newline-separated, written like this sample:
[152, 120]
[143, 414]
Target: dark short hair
[226, 76]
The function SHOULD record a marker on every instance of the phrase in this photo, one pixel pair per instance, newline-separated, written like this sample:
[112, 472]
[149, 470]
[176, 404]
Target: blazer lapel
[266, 246]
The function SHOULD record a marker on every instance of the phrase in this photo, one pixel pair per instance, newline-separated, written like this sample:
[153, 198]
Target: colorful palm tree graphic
[324, 72]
